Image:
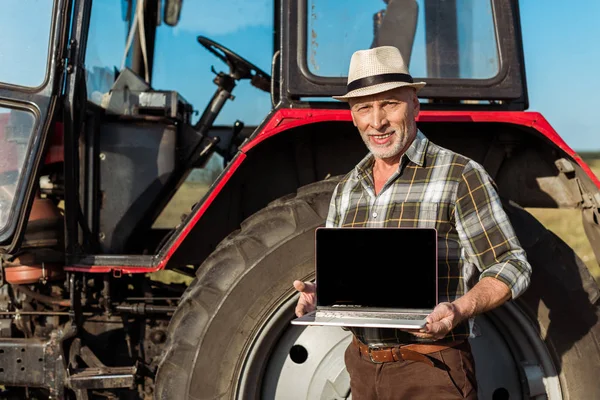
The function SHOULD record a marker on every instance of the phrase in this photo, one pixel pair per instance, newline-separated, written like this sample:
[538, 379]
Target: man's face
[386, 121]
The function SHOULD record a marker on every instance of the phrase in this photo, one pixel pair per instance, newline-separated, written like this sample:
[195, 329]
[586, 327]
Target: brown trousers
[452, 378]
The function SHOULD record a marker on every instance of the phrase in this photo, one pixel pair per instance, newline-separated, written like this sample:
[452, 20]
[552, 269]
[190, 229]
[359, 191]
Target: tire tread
[237, 253]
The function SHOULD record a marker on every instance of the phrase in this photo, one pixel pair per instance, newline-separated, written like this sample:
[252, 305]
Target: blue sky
[23, 51]
[562, 57]
[559, 38]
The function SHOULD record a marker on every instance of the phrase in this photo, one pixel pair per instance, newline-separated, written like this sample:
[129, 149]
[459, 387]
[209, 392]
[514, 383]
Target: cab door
[32, 43]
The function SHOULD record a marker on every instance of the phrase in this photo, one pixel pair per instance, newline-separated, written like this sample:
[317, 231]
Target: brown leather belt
[411, 352]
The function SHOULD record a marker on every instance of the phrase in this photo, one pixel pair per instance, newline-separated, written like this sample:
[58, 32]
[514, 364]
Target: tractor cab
[153, 114]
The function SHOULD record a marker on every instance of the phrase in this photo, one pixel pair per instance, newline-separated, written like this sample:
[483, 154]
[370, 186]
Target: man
[408, 181]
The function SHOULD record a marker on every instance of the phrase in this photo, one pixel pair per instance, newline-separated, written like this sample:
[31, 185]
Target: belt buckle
[371, 354]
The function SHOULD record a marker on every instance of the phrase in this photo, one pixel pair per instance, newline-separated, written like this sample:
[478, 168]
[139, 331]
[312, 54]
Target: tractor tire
[230, 337]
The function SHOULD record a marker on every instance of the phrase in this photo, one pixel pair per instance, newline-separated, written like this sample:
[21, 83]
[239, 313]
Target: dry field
[565, 223]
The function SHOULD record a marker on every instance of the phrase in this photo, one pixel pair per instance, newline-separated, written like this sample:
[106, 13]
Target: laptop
[374, 277]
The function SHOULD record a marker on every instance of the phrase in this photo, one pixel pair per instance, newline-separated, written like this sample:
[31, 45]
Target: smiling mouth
[381, 137]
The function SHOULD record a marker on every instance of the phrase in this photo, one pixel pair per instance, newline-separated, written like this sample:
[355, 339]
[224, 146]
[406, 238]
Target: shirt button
[374, 215]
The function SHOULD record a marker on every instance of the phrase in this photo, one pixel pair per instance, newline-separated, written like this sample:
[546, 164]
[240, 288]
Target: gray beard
[388, 151]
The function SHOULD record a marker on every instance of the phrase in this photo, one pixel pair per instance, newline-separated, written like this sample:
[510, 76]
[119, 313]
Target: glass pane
[182, 64]
[105, 47]
[24, 39]
[452, 39]
[15, 130]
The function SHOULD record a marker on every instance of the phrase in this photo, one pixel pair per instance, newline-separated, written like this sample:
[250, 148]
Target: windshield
[439, 39]
[16, 127]
[25, 33]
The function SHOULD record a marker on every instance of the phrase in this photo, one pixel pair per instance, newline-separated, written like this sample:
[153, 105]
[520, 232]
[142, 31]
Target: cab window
[16, 127]
[24, 41]
[449, 42]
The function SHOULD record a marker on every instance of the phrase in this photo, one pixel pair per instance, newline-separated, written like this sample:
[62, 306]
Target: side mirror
[172, 12]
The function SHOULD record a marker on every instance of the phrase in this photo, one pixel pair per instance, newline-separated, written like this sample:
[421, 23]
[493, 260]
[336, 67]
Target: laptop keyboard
[358, 314]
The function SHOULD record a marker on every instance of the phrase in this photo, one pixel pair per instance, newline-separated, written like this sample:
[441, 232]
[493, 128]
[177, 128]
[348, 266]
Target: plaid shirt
[436, 188]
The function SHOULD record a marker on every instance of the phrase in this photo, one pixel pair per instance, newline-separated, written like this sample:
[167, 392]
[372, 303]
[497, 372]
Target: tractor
[100, 298]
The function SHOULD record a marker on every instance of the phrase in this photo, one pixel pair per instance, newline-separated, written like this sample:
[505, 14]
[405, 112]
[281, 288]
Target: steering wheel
[239, 67]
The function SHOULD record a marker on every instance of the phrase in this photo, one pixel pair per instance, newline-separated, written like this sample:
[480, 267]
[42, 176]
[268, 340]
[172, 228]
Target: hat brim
[379, 88]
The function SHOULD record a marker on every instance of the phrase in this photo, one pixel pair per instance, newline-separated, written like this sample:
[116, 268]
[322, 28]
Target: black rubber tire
[563, 300]
[235, 292]
[239, 287]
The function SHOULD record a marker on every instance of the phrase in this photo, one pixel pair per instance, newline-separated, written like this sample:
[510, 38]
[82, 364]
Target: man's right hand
[308, 300]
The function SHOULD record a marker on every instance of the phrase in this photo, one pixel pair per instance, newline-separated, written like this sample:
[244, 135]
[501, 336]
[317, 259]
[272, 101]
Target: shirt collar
[415, 153]
[417, 149]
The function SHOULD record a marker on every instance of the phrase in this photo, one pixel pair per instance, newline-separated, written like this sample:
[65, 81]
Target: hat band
[377, 79]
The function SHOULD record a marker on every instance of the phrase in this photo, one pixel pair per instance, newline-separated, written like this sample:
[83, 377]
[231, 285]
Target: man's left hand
[444, 317]
[486, 295]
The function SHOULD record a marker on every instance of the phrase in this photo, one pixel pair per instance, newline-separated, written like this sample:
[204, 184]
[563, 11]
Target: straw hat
[377, 70]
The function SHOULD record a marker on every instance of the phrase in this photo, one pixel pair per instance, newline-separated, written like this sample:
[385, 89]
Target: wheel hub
[309, 364]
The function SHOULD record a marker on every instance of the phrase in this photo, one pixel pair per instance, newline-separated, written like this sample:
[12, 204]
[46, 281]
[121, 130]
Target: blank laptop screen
[377, 267]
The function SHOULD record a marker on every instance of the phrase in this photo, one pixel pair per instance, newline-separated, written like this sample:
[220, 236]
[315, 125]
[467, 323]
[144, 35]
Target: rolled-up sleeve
[486, 233]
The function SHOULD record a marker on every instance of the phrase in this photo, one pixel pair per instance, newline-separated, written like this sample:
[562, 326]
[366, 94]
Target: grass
[566, 224]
